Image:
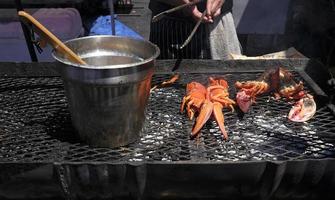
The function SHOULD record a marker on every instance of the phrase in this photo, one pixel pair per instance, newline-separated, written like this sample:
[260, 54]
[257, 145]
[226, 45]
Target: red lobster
[281, 82]
[205, 102]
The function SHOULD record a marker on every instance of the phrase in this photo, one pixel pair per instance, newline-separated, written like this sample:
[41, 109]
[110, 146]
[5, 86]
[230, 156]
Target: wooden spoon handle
[50, 38]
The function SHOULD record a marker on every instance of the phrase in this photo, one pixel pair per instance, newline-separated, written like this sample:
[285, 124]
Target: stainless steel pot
[107, 98]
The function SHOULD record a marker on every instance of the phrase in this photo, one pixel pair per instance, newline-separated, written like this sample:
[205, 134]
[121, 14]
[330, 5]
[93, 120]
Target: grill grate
[35, 126]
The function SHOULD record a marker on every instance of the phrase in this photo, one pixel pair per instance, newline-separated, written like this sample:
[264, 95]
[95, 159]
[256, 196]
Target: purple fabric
[260, 16]
[65, 23]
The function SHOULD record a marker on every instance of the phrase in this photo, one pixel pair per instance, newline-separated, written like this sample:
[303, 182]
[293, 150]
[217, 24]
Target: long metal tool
[194, 30]
[111, 10]
[27, 34]
[163, 14]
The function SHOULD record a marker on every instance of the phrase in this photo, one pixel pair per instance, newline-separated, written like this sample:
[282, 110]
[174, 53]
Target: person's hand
[213, 9]
[194, 12]
[191, 11]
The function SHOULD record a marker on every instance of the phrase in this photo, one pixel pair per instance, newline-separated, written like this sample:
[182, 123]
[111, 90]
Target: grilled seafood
[287, 87]
[218, 92]
[281, 82]
[194, 99]
[207, 102]
[248, 90]
[303, 110]
[166, 83]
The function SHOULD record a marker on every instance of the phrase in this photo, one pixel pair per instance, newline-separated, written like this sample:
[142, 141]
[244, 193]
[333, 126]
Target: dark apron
[174, 29]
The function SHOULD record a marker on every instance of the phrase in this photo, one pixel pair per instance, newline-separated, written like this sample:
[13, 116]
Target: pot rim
[135, 64]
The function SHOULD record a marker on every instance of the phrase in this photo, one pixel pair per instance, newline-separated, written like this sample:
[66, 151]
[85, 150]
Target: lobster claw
[303, 110]
[219, 118]
[205, 113]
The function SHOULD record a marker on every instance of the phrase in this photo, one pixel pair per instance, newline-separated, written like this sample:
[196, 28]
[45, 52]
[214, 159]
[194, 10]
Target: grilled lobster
[248, 90]
[281, 83]
[207, 102]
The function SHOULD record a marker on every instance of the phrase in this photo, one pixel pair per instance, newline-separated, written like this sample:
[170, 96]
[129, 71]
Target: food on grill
[303, 110]
[206, 102]
[194, 99]
[281, 82]
[286, 86]
[166, 83]
[248, 92]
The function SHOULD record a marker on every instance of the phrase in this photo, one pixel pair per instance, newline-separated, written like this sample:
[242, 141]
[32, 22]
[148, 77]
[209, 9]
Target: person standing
[216, 37]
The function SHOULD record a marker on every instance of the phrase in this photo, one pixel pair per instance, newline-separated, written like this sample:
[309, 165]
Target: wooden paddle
[50, 38]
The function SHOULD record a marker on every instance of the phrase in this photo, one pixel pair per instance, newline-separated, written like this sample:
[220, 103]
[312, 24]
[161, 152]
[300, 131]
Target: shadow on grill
[60, 127]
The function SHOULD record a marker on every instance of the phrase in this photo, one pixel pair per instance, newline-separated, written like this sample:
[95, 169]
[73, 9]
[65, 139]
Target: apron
[173, 30]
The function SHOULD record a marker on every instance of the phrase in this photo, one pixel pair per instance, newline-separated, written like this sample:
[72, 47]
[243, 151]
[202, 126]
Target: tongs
[163, 14]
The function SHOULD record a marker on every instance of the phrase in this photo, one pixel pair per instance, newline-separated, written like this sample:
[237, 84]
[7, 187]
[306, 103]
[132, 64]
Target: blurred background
[263, 26]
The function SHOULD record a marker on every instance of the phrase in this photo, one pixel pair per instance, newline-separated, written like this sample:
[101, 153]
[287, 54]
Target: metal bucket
[107, 98]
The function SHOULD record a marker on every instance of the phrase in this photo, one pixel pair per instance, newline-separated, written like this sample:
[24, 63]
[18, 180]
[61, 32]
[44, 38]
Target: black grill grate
[35, 126]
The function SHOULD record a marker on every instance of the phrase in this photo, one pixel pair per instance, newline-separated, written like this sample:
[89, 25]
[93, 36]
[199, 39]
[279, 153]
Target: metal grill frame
[265, 179]
[186, 67]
